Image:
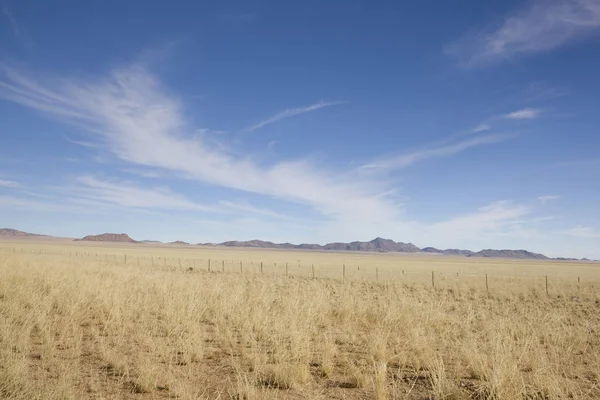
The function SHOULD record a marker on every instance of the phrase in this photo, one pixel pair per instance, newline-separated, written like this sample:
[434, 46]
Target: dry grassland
[78, 322]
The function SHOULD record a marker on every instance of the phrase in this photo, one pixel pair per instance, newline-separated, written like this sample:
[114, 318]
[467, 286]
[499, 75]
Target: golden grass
[75, 323]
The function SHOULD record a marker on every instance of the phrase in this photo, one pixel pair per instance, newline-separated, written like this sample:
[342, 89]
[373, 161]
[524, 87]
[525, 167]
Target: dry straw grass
[73, 328]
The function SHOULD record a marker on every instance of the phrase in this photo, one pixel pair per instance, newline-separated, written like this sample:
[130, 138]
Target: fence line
[191, 264]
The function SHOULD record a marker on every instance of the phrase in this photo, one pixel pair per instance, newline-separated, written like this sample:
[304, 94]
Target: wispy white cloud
[481, 128]
[245, 207]
[488, 218]
[526, 113]
[32, 203]
[11, 20]
[82, 143]
[138, 121]
[499, 224]
[538, 27]
[545, 199]
[8, 184]
[583, 232]
[290, 112]
[145, 173]
[128, 194]
[405, 160]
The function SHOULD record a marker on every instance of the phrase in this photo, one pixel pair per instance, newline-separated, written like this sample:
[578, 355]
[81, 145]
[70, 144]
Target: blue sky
[450, 124]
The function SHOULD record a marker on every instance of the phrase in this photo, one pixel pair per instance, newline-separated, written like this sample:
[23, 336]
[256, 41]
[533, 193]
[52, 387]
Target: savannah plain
[83, 320]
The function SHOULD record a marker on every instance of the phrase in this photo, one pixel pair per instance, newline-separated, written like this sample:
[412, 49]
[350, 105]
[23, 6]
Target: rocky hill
[108, 237]
[179, 242]
[378, 244]
[15, 233]
[453, 252]
[520, 254]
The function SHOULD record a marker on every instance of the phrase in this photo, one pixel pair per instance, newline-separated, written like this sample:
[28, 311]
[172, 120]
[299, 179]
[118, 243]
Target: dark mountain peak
[250, 243]
[108, 237]
[179, 242]
[431, 250]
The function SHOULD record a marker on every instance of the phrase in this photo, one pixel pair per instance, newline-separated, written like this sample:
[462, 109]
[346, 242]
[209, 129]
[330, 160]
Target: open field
[91, 320]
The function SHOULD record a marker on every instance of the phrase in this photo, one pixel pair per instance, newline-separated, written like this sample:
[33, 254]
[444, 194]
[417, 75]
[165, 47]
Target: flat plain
[144, 321]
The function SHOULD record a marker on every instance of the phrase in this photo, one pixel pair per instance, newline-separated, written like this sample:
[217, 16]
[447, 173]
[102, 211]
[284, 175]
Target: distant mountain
[108, 237]
[378, 244]
[15, 233]
[458, 252]
[386, 245]
[432, 250]
[179, 242]
[454, 252]
[520, 254]
[252, 243]
[308, 246]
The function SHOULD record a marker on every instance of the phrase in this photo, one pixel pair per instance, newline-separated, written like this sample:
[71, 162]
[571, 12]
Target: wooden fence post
[432, 280]
[261, 267]
[344, 272]
[487, 288]
[222, 265]
[209, 265]
[546, 285]
[313, 271]
[377, 274]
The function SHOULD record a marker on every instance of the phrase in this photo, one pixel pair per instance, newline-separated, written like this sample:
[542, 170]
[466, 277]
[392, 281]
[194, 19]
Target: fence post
[487, 288]
[222, 265]
[209, 265]
[377, 274]
[432, 280]
[546, 285]
[261, 267]
[241, 268]
[313, 271]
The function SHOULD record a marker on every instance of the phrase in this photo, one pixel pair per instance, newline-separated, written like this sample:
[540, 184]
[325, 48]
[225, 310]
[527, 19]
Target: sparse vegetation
[96, 327]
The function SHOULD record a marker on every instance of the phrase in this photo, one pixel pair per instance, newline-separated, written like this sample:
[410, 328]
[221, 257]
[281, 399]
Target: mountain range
[6, 232]
[376, 245]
